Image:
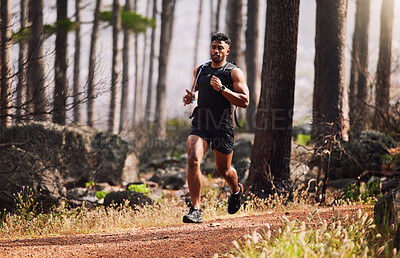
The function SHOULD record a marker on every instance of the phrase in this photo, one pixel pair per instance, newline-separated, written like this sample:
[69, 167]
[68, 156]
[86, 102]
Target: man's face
[219, 51]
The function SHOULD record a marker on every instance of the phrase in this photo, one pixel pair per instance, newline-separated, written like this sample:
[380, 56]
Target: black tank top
[211, 101]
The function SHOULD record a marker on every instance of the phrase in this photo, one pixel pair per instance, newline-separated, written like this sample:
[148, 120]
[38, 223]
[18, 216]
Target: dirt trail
[184, 240]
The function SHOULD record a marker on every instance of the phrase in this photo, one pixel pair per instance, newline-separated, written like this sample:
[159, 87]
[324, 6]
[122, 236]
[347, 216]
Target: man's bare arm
[240, 94]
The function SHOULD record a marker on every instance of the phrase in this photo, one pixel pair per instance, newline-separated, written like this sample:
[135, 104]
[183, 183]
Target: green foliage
[140, 188]
[365, 193]
[389, 159]
[303, 139]
[129, 20]
[64, 24]
[101, 194]
[21, 36]
[177, 154]
[89, 184]
[26, 204]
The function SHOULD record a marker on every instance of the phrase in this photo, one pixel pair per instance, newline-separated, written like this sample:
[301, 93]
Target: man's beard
[217, 59]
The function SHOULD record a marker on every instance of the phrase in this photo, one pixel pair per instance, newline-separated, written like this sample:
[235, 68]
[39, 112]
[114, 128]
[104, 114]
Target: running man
[218, 86]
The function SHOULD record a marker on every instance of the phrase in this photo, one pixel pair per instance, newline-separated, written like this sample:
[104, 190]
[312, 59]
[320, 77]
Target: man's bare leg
[223, 162]
[197, 147]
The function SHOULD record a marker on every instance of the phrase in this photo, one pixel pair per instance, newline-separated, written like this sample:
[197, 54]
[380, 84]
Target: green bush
[140, 188]
[366, 193]
[101, 194]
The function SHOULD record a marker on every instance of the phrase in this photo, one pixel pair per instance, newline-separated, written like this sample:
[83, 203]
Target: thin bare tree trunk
[125, 73]
[212, 19]
[167, 17]
[5, 91]
[61, 87]
[197, 39]
[144, 64]
[358, 92]
[21, 65]
[150, 86]
[234, 24]
[77, 60]
[251, 57]
[116, 23]
[138, 88]
[36, 93]
[92, 64]
[218, 14]
[382, 92]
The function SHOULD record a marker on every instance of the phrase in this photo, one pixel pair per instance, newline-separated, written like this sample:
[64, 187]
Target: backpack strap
[228, 71]
[199, 70]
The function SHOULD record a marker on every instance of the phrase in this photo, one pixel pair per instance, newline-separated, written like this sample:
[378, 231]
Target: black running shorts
[219, 137]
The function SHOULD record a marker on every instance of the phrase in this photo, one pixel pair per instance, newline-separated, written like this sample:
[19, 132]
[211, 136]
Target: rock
[387, 212]
[243, 147]
[50, 158]
[119, 198]
[341, 183]
[82, 194]
[19, 169]
[163, 162]
[129, 171]
[156, 177]
[242, 168]
[6, 201]
[208, 167]
[105, 187]
[81, 153]
[364, 152]
[173, 180]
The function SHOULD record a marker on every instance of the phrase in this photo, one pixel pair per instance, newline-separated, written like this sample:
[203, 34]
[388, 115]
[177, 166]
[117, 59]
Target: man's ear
[228, 51]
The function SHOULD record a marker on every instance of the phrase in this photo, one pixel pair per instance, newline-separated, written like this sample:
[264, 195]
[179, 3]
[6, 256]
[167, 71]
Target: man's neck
[218, 65]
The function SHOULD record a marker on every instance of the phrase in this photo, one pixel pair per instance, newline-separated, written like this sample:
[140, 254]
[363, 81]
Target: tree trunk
[329, 88]
[61, 89]
[358, 96]
[144, 67]
[21, 65]
[116, 27]
[92, 64]
[36, 93]
[149, 99]
[125, 73]
[234, 23]
[137, 112]
[197, 39]
[5, 90]
[77, 60]
[213, 17]
[272, 144]
[167, 16]
[382, 91]
[217, 15]
[253, 75]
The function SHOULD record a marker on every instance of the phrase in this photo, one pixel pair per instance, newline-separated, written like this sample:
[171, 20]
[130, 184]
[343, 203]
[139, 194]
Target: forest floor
[183, 240]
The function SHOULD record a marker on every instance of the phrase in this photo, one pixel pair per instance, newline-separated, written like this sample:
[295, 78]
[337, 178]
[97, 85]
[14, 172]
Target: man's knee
[193, 162]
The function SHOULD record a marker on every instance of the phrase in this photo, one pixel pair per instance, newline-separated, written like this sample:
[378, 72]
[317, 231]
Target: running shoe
[235, 201]
[194, 216]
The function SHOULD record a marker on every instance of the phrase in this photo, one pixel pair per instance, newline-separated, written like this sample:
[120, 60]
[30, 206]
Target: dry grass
[339, 237]
[167, 211]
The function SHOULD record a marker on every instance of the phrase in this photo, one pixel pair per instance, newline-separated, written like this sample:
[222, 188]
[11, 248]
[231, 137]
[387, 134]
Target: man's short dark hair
[221, 37]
